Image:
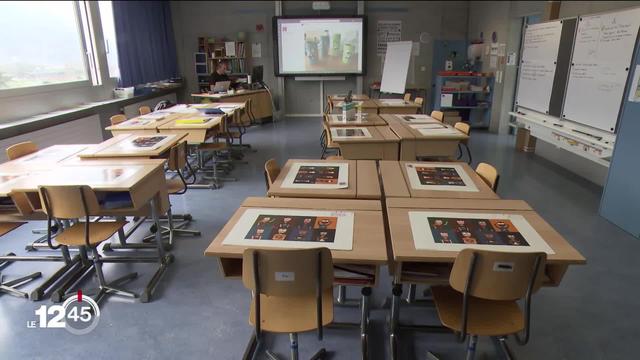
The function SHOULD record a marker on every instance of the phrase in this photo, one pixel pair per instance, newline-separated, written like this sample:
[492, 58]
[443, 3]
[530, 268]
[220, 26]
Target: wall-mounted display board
[546, 57]
[603, 48]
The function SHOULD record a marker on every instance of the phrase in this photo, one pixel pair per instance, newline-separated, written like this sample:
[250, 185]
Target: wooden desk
[367, 119]
[367, 106]
[397, 183]
[140, 125]
[43, 159]
[192, 133]
[432, 143]
[122, 146]
[397, 106]
[340, 97]
[261, 101]
[362, 182]
[382, 145]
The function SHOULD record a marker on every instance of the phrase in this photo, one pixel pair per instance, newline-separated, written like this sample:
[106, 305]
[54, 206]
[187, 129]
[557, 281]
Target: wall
[441, 19]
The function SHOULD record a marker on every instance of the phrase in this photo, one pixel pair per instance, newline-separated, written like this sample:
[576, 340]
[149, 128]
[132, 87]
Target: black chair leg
[469, 154]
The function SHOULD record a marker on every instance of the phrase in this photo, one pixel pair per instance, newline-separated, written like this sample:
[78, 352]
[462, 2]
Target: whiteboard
[396, 67]
[600, 66]
[538, 67]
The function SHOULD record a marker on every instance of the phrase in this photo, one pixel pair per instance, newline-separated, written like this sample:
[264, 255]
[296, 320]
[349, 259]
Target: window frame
[39, 89]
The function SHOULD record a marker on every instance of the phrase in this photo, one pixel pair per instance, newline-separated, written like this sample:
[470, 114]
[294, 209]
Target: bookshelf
[235, 52]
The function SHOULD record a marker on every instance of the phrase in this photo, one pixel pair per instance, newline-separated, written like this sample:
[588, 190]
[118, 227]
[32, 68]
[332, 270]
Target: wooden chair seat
[292, 314]
[98, 232]
[6, 227]
[174, 186]
[486, 317]
[218, 146]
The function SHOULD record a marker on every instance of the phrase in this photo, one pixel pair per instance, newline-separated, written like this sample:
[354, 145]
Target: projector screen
[319, 45]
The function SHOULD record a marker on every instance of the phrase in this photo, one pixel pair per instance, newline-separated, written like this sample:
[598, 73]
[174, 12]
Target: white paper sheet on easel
[396, 67]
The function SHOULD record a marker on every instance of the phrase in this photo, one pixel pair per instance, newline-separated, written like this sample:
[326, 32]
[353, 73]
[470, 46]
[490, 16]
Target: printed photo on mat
[317, 176]
[350, 133]
[431, 176]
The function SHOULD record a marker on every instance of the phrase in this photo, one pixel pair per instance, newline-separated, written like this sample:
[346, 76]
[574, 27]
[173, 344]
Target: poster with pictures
[387, 31]
[439, 177]
[306, 175]
[290, 228]
[450, 231]
[147, 141]
[350, 133]
[418, 119]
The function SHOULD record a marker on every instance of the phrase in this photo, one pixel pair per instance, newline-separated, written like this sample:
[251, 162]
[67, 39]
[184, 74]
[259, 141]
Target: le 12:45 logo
[78, 314]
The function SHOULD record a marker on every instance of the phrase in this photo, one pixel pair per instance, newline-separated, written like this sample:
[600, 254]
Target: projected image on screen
[320, 46]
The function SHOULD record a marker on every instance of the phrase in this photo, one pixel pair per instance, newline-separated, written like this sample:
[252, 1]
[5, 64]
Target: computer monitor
[256, 74]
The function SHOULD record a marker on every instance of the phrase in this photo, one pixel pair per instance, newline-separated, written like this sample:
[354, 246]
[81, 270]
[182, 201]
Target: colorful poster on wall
[306, 175]
[447, 231]
[290, 228]
[388, 31]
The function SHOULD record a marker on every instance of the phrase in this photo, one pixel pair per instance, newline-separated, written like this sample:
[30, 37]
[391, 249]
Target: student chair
[117, 119]
[292, 292]
[325, 141]
[11, 287]
[21, 149]
[220, 150]
[143, 110]
[481, 299]
[176, 163]
[407, 97]
[438, 115]
[80, 202]
[241, 122]
[465, 129]
[489, 175]
[271, 172]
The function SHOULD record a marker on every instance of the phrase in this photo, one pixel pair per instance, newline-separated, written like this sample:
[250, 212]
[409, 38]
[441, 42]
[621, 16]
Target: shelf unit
[235, 52]
[474, 106]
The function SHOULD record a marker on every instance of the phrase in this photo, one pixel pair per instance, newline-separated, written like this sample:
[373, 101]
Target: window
[42, 44]
[109, 33]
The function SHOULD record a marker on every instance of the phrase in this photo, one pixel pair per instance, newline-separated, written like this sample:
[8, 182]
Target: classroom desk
[414, 144]
[397, 106]
[143, 184]
[362, 182]
[140, 125]
[368, 251]
[193, 133]
[366, 119]
[43, 159]
[340, 97]
[261, 101]
[367, 106]
[433, 267]
[397, 182]
[122, 146]
[382, 145]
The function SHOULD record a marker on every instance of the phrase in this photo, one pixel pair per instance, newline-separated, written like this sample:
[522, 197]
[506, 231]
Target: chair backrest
[438, 115]
[488, 174]
[407, 97]
[117, 119]
[142, 110]
[329, 105]
[248, 109]
[287, 273]
[271, 171]
[177, 156]
[463, 127]
[68, 201]
[497, 275]
[419, 100]
[21, 149]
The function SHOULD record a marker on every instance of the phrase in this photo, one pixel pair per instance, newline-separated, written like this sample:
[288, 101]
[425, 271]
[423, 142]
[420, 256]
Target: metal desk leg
[411, 294]
[364, 322]
[164, 260]
[500, 343]
[393, 321]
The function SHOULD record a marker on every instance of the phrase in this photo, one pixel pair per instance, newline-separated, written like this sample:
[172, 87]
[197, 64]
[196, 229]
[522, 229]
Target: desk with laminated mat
[365, 142]
[329, 179]
[364, 119]
[133, 145]
[444, 180]
[426, 237]
[366, 106]
[397, 106]
[428, 139]
[340, 97]
[261, 104]
[361, 236]
[135, 188]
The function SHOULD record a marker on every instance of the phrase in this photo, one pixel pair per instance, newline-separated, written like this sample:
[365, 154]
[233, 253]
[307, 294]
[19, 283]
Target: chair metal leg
[364, 322]
[500, 343]
[293, 345]
[469, 154]
[9, 287]
[393, 320]
[411, 294]
[471, 347]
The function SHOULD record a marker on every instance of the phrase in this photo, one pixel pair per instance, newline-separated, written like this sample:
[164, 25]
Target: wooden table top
[369, 246]
[174, 124]
[340, 97]
[408, 131]
[362, 183]
[367, 103]
[43, 159]
[367, 119]
[402, 238]
[122, 146]
[221, 96]
[143, 122]
[396, 182]
[396, 103]
[379, 134]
